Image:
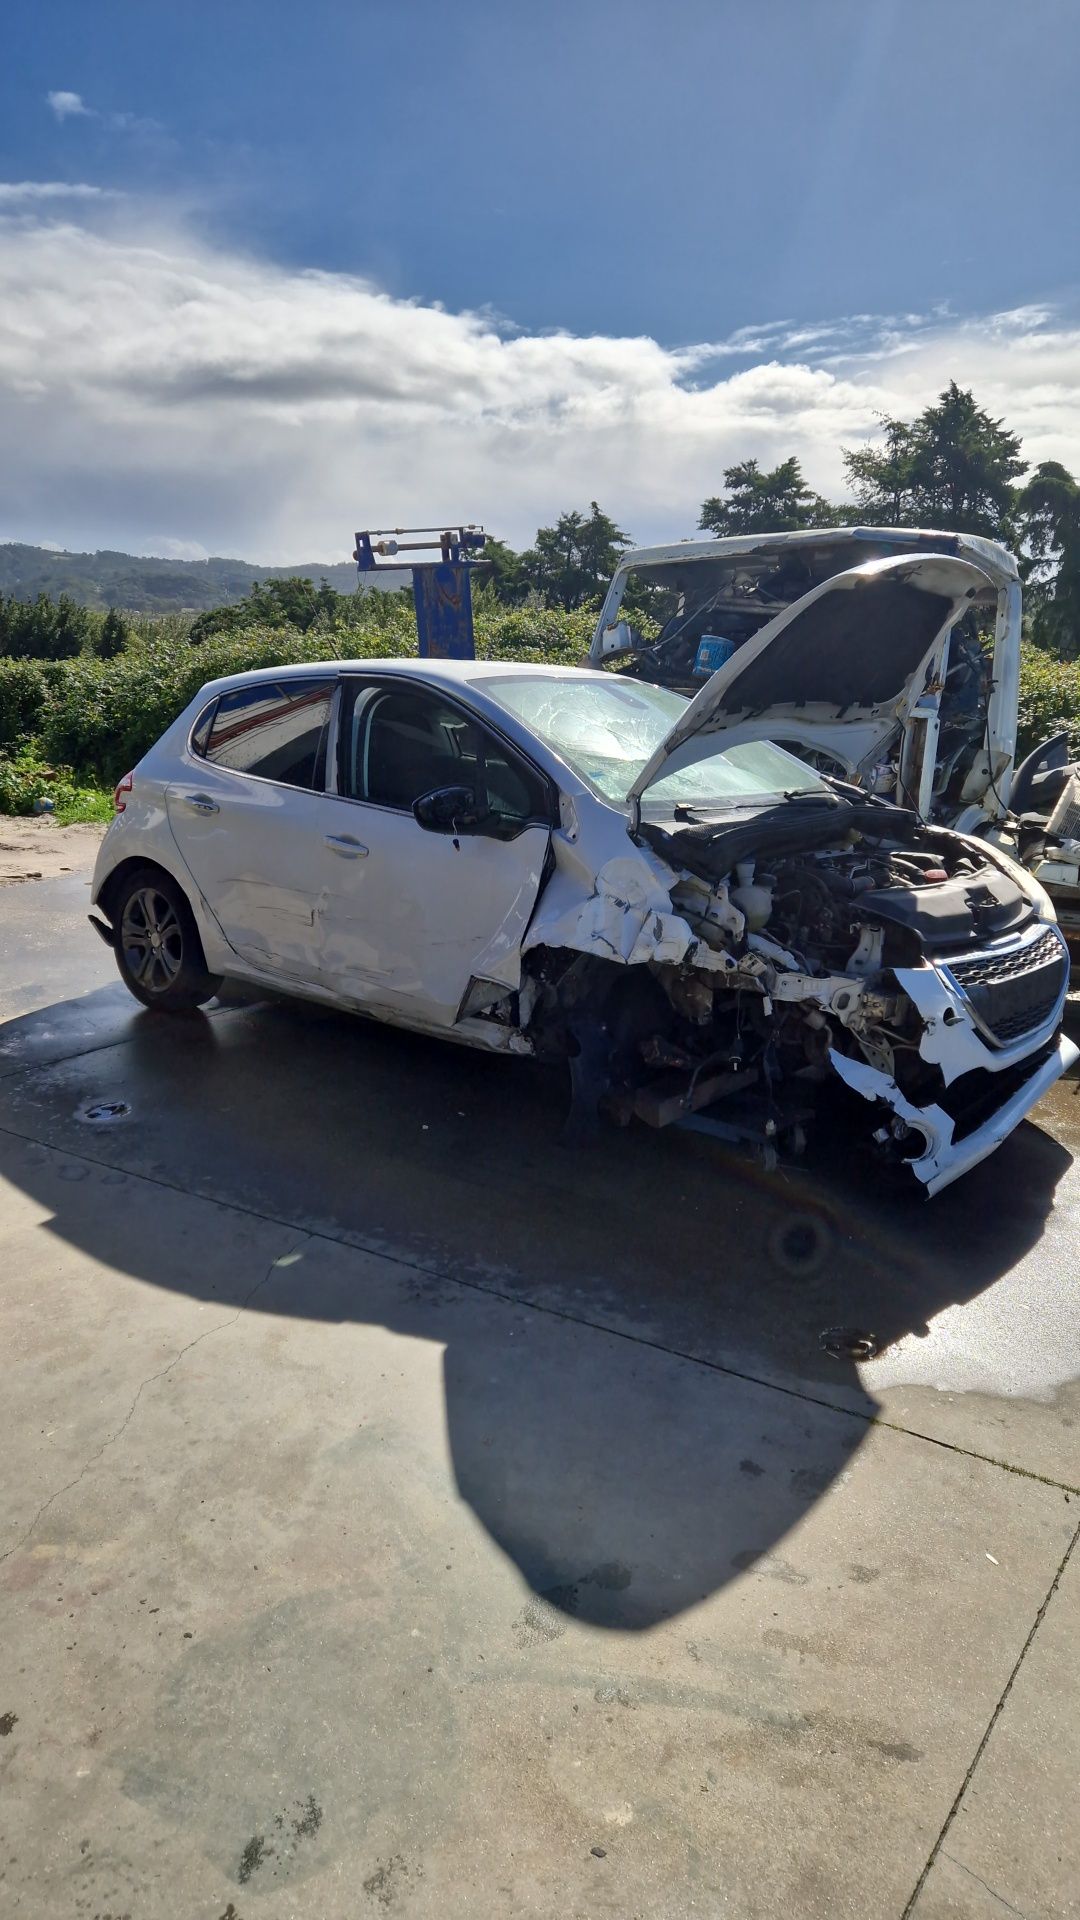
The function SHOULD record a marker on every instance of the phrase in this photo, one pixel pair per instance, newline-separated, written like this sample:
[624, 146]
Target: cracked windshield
[609, 734]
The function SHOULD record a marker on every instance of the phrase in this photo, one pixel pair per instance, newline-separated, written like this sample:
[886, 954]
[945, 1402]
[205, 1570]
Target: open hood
[853, 652]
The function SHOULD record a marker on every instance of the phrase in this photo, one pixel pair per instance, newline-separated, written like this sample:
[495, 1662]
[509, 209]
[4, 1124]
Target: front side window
[400, 744]
[276, 730]
[609, 730]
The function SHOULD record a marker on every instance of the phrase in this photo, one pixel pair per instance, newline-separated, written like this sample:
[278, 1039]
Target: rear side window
[276, 731]
[200, 732]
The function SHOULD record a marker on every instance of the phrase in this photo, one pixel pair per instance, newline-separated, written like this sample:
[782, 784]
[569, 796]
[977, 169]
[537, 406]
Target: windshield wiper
[738, 803]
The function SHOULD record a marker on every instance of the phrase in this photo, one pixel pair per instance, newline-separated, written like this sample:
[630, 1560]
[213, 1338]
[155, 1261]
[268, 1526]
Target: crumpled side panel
[628, 916]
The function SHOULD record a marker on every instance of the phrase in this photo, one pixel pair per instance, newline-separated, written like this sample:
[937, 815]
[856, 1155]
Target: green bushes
[26, 778]
[1049, 699]
[112, 635]
[22, 696]
[546, 635]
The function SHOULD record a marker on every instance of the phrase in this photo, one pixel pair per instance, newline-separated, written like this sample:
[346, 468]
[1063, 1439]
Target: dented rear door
[246, 819]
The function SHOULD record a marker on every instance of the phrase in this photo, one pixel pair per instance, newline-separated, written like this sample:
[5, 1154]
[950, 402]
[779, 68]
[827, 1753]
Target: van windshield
[608, 728]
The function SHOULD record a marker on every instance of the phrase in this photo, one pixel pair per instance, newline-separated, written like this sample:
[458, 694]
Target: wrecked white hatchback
[584, 867]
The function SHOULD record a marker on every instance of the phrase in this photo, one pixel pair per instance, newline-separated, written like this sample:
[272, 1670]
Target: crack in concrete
[984, 1742]
[161, 1374]
[358, 1244]
[977, 1877]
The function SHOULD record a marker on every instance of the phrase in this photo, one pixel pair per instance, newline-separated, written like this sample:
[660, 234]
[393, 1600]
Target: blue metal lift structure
[442, 589]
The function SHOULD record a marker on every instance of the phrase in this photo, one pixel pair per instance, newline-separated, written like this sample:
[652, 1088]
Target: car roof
[450, 673]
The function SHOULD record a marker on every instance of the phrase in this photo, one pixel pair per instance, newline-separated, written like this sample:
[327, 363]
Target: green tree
[291, 602]
[43, 629]
[111, 637]
[777, 501]
[885, 479]
[954, 467]
[1048, 511]
[503, 580]
[572, 562]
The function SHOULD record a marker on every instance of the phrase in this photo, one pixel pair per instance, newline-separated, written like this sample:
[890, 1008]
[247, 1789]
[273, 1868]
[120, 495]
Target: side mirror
[450, 810]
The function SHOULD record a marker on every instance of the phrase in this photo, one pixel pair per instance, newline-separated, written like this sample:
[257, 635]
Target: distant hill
[157, 586]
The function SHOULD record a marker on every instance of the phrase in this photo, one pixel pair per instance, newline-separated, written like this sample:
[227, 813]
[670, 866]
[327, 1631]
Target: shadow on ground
[616, 1505]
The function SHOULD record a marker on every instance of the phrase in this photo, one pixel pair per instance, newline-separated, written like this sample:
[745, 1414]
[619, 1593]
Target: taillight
[124, 787]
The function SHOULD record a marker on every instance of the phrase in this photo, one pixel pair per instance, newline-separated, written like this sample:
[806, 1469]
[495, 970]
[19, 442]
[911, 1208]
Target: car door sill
[473, 1031]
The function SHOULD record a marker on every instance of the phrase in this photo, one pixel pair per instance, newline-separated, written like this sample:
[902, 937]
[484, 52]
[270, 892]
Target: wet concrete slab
[335, 1587]
[54, 967]
[535, 1555]
[1014, 1845]
[455, 1161]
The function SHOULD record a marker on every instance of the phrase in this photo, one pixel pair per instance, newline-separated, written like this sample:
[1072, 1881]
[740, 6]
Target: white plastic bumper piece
[944, 1158]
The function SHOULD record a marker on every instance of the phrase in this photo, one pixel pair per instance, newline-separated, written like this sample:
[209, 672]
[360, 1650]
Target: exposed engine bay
[837, 936]
[711, 599]
[709, 610]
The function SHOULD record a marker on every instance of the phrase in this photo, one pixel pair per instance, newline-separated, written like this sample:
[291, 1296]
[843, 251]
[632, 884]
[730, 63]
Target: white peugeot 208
[581, 866]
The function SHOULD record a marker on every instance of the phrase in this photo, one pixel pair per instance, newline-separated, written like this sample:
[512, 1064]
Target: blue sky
[738, 172]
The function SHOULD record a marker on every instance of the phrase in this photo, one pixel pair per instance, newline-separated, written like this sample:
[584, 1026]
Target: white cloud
[68, 106]
[150, 380]
[14, 192]
[72, 106]
[165, 547]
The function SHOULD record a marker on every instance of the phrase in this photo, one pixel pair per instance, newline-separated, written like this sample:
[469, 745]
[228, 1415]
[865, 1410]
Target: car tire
[157, 945]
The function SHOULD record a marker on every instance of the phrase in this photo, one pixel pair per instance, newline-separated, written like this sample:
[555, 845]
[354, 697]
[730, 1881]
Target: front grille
[1015, 991]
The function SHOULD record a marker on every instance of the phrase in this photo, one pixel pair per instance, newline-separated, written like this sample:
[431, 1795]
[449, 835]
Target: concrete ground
[405, 1515]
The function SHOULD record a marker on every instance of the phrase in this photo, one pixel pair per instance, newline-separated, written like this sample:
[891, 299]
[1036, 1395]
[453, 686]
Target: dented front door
[409, 918]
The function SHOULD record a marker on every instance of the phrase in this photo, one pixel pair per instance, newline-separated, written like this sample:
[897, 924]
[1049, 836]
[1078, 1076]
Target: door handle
[200, 802]
[344, 844]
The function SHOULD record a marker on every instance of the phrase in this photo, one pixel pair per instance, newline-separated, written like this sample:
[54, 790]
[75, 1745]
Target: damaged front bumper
[944, 1157]
[990, 1031]
[954, 1043]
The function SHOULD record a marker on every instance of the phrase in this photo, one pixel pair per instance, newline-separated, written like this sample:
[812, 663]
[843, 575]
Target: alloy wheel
[152, 940]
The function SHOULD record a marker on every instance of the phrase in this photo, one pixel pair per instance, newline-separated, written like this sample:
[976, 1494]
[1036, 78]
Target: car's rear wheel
[158, 950]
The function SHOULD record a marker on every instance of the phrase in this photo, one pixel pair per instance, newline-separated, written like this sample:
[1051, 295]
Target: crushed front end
[737, 967]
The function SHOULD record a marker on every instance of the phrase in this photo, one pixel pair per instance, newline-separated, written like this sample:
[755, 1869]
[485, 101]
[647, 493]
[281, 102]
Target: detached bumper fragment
[107, 933]
[944, 1158]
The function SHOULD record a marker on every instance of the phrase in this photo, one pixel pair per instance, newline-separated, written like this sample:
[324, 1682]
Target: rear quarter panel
[142, 834]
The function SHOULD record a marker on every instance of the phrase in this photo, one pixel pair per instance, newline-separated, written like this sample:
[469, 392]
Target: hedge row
[1049, 699]
[98, 717]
